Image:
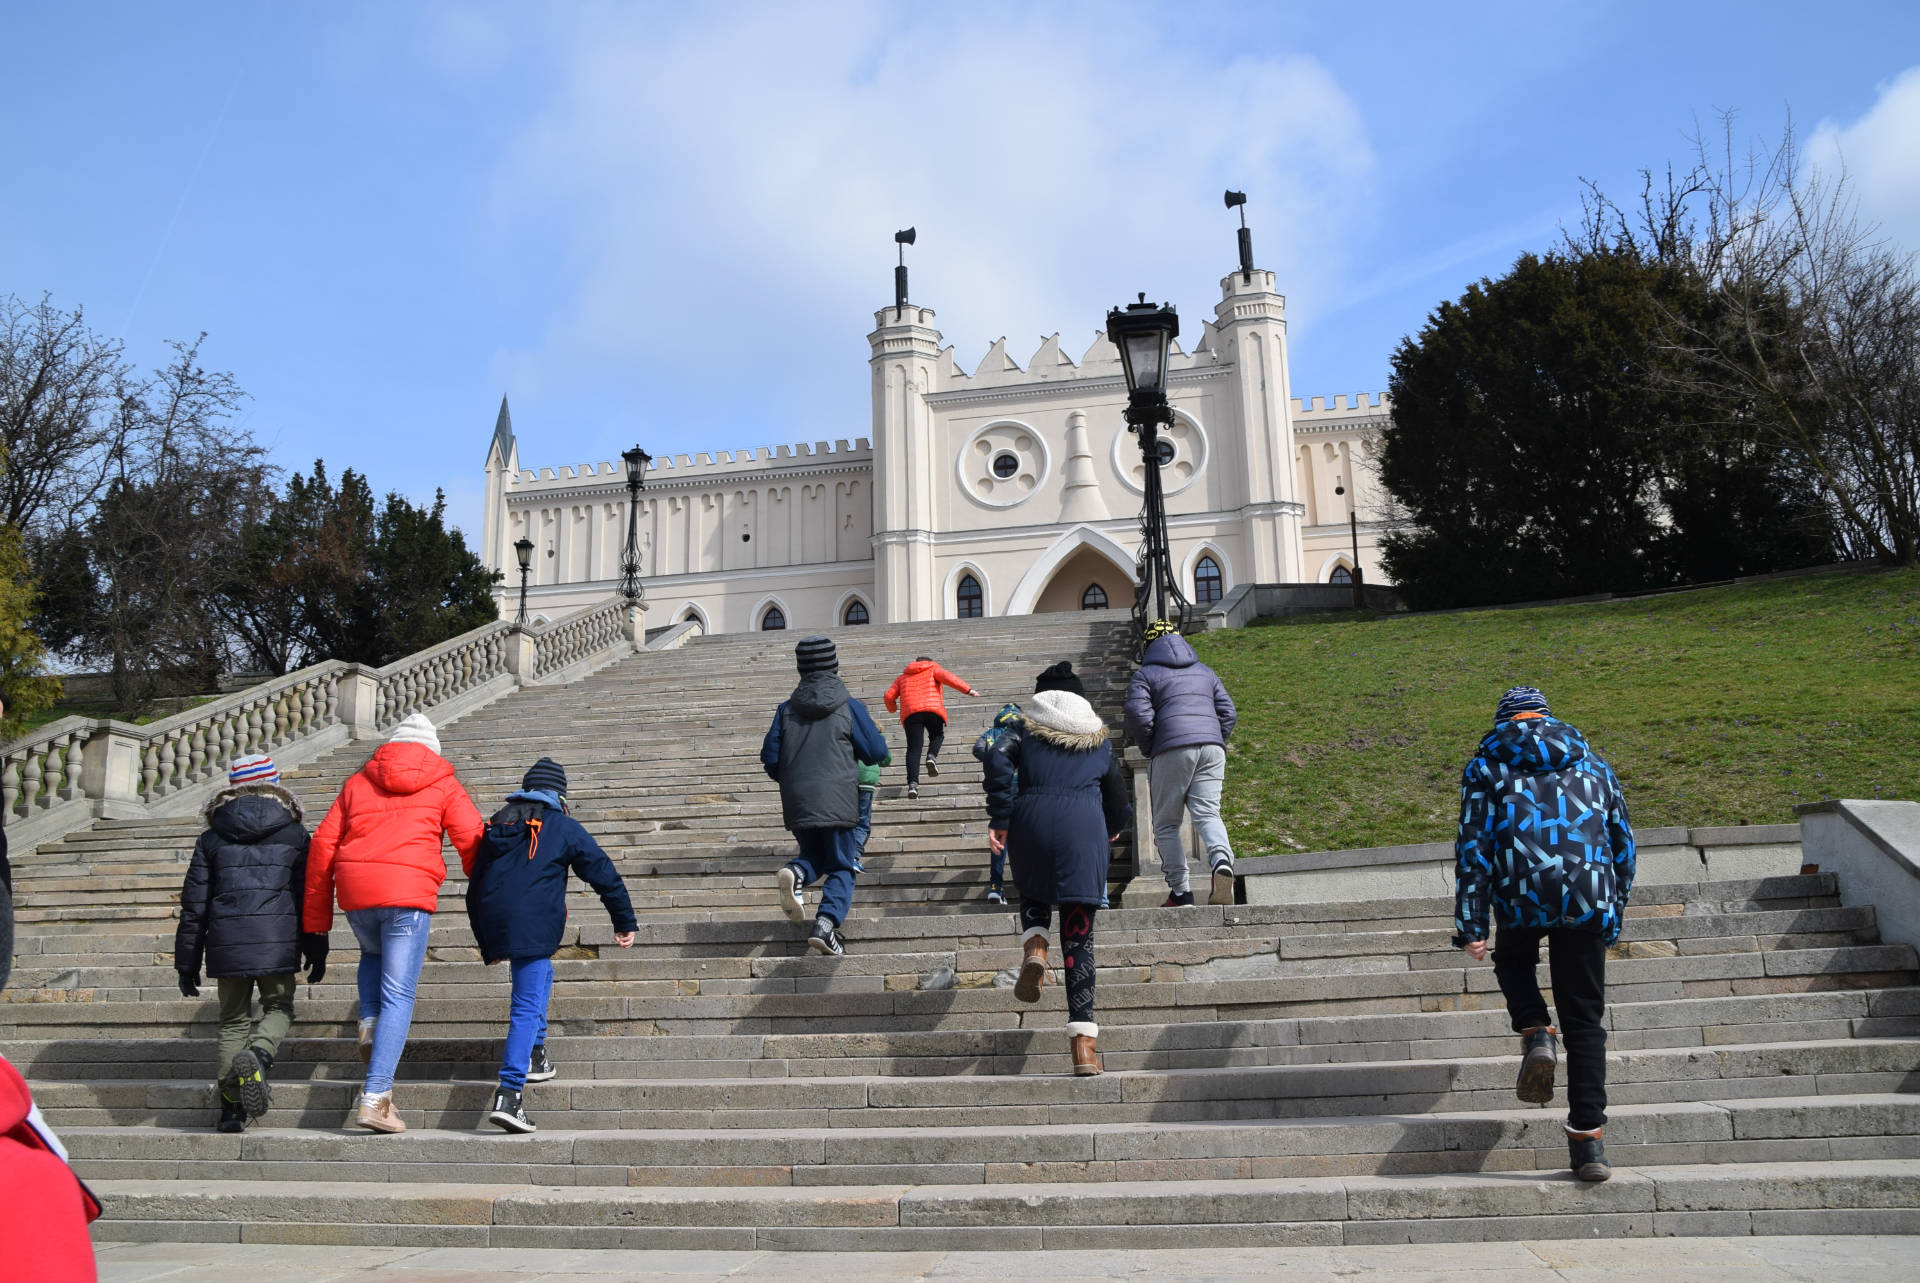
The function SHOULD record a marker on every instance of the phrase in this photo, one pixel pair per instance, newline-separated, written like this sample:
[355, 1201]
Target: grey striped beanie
[1521, 699]
[816, 655]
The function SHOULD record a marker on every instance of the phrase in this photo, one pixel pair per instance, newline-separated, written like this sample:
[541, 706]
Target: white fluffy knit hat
[416, 730]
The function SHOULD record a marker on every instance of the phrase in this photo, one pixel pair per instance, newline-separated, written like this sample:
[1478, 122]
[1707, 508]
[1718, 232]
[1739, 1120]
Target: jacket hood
[1066, 720]
[1171, 650]
[269, 792]
[406, 768]
[818, 695]
[921, 666]
[1007, 716]
[1535, 745]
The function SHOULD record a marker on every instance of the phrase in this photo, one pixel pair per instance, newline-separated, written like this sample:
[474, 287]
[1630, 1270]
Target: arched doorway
[1086, 580]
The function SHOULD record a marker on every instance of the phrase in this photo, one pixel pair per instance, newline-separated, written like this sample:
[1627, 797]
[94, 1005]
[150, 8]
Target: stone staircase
[1278, 1074]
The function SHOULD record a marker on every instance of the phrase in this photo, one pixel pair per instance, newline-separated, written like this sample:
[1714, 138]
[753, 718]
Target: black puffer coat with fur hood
[240, 905]
[1054, 783]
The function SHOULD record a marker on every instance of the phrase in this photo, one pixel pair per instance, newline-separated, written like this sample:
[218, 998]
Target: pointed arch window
[774, 621]
[1341, 575]
[1207, 583]
[856, 613]
[969, 601]
[1094, 598]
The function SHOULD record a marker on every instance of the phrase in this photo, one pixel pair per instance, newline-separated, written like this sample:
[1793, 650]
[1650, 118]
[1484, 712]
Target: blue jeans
[834, 855]
[393, 947]
[527, 1018]
[864, 828]
[999, 864]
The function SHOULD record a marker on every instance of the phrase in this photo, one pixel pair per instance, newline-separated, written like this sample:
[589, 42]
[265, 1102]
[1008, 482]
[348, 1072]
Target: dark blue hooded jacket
[517, 893]
[1544, 834]
[1055, 785]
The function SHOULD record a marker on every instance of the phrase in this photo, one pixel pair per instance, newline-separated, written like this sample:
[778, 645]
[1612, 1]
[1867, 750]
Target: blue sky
[672, 224]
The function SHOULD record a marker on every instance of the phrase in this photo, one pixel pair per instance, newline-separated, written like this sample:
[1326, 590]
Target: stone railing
[78, 769]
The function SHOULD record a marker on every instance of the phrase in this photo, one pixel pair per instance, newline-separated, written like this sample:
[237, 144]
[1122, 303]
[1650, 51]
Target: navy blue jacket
[1544, 834]
[820, 738]
[517, 893]
[240, 903]
[1059, 795]
[1175, 701]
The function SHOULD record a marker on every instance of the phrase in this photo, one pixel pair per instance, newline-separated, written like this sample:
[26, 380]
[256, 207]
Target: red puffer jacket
[44, 1209]
[380, 842]
[918, 690]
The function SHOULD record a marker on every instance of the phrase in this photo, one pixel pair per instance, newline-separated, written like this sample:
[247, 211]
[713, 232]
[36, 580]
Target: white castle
[1012, 490]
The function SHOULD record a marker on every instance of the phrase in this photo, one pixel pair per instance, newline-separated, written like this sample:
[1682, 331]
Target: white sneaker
[787, 883]
[1222, 890]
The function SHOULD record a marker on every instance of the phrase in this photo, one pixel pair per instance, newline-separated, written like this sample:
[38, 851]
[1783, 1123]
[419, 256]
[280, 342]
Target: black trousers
[1577, 964]
[933, 729]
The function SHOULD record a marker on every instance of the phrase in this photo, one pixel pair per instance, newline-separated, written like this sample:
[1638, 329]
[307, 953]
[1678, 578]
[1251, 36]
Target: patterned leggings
[1076, 943]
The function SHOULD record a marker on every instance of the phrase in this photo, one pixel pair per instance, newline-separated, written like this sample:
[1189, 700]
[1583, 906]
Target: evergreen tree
[24, 683]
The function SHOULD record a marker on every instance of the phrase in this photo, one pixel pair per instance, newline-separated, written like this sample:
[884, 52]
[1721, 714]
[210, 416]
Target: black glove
[313, 952]
[189, 984]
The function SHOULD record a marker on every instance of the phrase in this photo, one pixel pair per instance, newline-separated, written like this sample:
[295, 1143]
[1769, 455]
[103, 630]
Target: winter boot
[233, 1115]
[1033, 967]
[508, 1113]
[826, 938]
[377, 1114]
[250, 1068]
[1587, 1156]
[1537, 1058]
[787, 884]
[539, 1068]
[1082, 1038]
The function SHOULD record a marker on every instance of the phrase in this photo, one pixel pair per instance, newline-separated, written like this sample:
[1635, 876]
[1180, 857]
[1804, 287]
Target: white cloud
[727, 187]
[1881, 155]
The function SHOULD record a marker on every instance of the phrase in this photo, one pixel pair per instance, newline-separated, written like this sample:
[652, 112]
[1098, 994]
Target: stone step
[1868, 1195]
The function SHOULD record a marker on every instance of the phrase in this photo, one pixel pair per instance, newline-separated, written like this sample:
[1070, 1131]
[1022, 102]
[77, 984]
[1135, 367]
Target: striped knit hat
[1521, 699]
[255, 768]
[546, 775]
[816, 655]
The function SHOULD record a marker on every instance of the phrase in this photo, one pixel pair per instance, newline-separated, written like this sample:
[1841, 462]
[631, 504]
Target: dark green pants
[237, 1027]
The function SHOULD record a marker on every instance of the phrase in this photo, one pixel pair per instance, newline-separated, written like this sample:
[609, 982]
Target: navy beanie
[545, 776]
[1521, 699]
[816, 655]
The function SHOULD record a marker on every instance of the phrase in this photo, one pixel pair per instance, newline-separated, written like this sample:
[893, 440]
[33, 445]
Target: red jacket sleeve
[316, 909]
[464, 827]
[892, 696]
[945, 678]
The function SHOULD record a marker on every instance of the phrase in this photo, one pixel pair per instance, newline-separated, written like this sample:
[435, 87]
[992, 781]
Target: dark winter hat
[1521, 699]
[816, 655]
[545, 776]
[1060, 677]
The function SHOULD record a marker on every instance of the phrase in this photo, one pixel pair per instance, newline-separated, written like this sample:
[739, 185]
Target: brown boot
[1086, 1053]
[1033, 968]
[377, 1114]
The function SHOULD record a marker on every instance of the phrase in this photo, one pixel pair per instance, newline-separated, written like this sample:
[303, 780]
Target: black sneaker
[826, 938]
[1587, 1156]
[250, 1081]
[996, 894]
[913, 790]
[233, 1116]
[539, 1068]
[508, 1114]
[933, 767]
[1178, 900]
[1537, 1059]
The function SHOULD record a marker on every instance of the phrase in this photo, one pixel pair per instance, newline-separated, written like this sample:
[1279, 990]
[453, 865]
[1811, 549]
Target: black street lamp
[1353, 529]
[636, 461]
[1144, 333]
[523, 549]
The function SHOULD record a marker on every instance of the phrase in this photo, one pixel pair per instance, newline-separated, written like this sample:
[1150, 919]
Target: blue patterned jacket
[1544, 834]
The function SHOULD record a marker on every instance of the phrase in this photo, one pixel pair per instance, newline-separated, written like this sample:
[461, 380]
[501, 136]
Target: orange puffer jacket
[380, 842]
[918, 690]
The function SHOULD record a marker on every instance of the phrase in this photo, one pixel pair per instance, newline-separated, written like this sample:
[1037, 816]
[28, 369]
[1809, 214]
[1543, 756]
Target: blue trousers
[864, 828]
[527, 1018]
[832, 855]
[393, 947]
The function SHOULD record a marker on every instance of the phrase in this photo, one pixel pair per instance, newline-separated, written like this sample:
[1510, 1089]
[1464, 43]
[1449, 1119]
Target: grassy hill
[1721, 706]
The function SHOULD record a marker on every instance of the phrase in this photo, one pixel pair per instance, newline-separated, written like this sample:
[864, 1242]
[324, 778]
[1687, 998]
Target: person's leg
[365, 924]
[1203, 804]
[916, 735]
[526, 1017]
[1035, 919]
[403, 940]
[1168, 775]
[840, 859]
[276, 1014]
[1076, 945]
[1516, 957]
[1577, 961]
[863, 828]
[936, 736]
[236, 1021]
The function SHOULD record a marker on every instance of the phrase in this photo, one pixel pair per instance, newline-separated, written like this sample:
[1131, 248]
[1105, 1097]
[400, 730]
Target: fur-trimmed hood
[1065, 720]
[272, 792]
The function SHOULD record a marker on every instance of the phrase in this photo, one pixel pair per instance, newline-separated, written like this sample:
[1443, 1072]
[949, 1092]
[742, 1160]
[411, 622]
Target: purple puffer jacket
[1175, 701]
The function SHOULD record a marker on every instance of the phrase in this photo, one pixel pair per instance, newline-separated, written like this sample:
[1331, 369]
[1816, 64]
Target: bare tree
[63, 394]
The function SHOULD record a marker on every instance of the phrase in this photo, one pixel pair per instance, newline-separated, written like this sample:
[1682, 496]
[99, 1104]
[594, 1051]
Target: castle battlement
[687, 467]
[1359, 403]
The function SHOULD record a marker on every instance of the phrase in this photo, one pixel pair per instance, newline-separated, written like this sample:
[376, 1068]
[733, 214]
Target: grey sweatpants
[1188, 779]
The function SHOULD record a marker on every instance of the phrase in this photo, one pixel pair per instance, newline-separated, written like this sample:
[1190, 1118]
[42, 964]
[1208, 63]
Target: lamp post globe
[636, 461]
[523, 549]
[1143, 333]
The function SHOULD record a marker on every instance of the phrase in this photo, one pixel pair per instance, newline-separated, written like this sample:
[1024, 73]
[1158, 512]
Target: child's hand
[1476, 949]
[997, 840]
[624, 939]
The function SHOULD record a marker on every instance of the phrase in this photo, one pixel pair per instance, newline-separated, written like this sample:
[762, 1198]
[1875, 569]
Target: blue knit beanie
[545, 776]
[1521, 699]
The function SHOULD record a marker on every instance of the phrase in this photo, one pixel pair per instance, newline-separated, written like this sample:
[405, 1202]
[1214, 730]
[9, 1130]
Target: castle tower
[503, 464]
[1252, 321]
[906, 353]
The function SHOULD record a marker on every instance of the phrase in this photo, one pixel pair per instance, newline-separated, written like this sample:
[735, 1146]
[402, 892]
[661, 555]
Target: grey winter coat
[1175, 701]
[819, 739]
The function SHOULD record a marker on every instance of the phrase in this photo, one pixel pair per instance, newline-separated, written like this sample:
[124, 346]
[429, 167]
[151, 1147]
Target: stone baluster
[10, 784]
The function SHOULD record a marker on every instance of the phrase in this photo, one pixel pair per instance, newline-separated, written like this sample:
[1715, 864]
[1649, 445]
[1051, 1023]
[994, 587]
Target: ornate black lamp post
[1144, 332]
[636, 460]
[1353, 529]
[523, 549]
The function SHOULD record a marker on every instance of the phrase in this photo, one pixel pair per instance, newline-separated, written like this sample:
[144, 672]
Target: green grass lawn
[1722, 706]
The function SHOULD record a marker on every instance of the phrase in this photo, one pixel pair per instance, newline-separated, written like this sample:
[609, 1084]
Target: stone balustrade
[580, 636]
